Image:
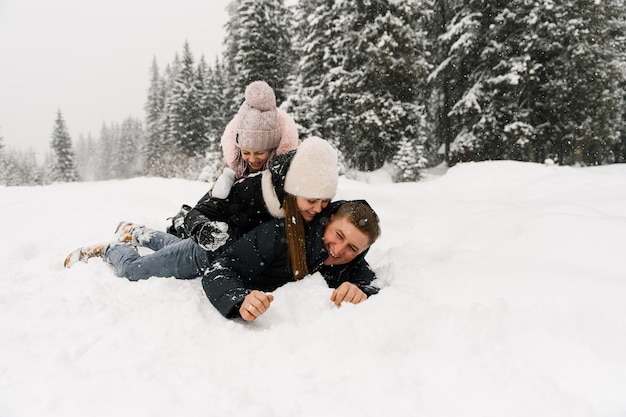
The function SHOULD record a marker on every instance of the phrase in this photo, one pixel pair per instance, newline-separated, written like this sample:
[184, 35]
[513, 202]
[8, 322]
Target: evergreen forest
[397, 84]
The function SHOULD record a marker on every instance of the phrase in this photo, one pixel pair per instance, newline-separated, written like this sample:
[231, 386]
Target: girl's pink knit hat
[259, 125]
[257, 118]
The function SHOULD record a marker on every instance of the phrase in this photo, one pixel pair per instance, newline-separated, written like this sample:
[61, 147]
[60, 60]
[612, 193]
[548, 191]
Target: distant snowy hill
[504, 294]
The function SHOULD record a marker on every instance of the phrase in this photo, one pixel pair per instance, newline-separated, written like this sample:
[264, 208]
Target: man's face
[343, 241]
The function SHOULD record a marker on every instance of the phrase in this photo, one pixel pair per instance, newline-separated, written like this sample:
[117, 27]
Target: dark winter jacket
[259, 261]
[252, 200]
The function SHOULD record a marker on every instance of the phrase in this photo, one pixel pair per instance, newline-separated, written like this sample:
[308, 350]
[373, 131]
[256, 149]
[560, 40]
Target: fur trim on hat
[313, 172]
[288, 137]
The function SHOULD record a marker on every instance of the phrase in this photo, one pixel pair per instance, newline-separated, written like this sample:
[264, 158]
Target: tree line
[407, 84]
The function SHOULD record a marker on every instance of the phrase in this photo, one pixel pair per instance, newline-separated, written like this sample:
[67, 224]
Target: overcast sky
[91, 60]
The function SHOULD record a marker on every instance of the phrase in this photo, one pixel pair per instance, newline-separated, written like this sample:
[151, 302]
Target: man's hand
[255, 304]
[347, 292]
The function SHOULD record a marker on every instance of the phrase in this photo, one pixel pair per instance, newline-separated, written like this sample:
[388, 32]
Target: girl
[258, 132]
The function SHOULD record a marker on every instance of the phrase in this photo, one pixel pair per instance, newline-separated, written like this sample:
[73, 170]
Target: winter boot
[83, 254]
[124, 232]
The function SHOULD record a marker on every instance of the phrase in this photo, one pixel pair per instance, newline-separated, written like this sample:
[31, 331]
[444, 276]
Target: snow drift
[503, 295]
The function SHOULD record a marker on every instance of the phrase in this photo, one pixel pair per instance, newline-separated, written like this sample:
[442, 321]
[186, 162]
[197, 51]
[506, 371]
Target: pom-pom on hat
[257, 125]
[313, 172]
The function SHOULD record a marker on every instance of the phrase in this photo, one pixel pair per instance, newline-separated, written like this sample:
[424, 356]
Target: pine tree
[409, 160]
[86, 158]
[167, 143]
[312, 46]
[578, 99]
[186, 120]
[204, 103]
[217, 107]
[4, 164]
[454, 48]
[156, 141]
[441, 80]
[19, 168]
[5, 169]
[215, 110]
[618, 150]
[259, 47]
[130, 141]
[106, 167]
[154, 108]
[63, 167]
[531, 80]
[232, 41]
[372, 80]
[177, 134]
[118, 151]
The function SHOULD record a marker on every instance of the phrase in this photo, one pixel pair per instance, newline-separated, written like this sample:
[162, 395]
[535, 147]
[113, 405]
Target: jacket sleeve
[233, 275]
[357, 272]
[223, 183]
[206, 210]
[244, 208]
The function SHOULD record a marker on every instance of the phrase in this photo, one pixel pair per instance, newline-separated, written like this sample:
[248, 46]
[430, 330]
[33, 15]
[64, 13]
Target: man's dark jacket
[259, 261]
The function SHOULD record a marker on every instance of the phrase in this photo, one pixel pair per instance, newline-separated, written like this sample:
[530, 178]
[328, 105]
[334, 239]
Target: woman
[337, 241]
[297, 186]
[258, 132]
[261, 196]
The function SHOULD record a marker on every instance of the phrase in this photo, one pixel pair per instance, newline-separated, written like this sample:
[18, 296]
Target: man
[336, 241]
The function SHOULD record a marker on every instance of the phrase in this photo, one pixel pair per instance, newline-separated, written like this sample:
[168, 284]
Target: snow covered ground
[504, 294]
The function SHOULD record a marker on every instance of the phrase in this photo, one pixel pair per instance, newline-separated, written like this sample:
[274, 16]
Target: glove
[212, 235]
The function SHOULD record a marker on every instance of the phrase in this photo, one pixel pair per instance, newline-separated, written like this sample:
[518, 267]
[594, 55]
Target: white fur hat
[313, 172]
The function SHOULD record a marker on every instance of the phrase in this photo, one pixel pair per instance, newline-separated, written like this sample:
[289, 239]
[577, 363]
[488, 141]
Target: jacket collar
[273, 183]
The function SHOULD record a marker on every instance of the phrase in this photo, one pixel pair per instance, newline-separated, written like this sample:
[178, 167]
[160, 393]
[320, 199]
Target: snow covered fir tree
[63, 166]
[258, 47]
[182, 112]
[362, 70]
[19, 167]
[397, 85]
[529, 80]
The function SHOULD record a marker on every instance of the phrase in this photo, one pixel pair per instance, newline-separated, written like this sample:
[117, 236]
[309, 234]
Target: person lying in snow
[297, 186]
[259, 132]
[239, 281]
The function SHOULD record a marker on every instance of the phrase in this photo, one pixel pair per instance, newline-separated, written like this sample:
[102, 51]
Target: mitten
[212, 235]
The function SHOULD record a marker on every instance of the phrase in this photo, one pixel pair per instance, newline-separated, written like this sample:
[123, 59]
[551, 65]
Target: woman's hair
[241, 167]
[294, 230]
[362, 216]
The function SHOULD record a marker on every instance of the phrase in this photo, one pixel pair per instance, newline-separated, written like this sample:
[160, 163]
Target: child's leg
[183, 259]
[152, 239]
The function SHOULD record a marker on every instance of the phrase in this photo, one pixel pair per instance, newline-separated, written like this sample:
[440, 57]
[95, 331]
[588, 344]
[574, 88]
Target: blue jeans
[172, 257]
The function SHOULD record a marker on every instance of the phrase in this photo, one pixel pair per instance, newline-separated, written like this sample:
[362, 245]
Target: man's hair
[363, 217]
